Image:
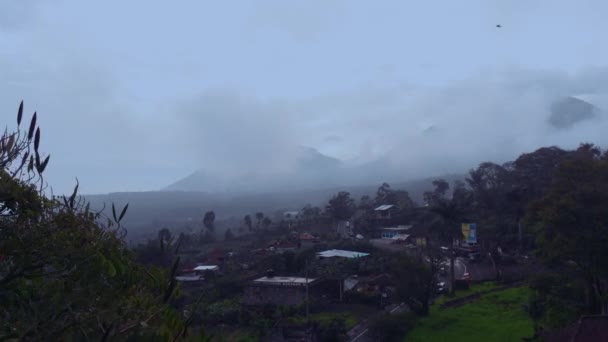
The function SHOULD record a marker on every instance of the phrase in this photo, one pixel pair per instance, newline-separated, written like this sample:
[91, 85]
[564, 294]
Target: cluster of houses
[280, 289]
[293, 290]
[390, 234]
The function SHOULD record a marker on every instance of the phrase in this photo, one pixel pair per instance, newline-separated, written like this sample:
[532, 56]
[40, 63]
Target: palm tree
[448, 228]
[248, 222]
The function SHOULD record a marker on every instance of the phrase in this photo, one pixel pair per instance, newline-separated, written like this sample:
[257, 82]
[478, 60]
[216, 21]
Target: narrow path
[360, 332]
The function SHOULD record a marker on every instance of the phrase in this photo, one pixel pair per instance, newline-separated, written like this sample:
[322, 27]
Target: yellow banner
[465, 231]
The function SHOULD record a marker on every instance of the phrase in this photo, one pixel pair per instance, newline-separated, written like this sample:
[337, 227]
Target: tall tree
[341, 206]
[402, 200]
[415, 280]
[438, 194]
[164, 238]
[491, 187]
[209, 220]
[310, 213]
[259, 216]
[449, 214]
[366, 203]
[228, 235]
[571, 224]
[383, 194]
[248, 222]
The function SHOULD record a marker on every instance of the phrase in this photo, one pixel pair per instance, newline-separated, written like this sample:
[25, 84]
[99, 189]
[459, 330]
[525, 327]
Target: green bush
[332, 331]
[261, 326]
[65, 270]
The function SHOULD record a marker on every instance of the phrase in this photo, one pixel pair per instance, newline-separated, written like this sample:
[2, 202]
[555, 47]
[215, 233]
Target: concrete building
[391, 232]
[277, 290]
[386, 211]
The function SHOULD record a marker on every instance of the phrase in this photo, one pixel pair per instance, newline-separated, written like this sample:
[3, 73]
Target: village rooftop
[341, 254]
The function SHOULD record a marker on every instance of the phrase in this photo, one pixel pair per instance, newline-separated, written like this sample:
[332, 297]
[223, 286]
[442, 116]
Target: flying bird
[498, 26]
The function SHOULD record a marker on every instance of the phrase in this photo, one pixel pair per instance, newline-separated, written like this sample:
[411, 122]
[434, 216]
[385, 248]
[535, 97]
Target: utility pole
[340, 282]
[307, 305]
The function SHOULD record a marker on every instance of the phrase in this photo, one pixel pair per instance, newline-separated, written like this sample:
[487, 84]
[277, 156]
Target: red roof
[286, 244]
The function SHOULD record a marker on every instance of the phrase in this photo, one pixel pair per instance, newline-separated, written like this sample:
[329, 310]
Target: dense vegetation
[65, 272]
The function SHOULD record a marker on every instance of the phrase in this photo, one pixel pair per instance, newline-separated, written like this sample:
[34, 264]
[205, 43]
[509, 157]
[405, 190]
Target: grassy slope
[497, 316]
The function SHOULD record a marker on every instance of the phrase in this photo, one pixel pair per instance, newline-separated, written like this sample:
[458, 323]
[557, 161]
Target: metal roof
[189, 278]
[206, 268]
[384, 207]
[284, 280]
[341, 254]
[398, 228]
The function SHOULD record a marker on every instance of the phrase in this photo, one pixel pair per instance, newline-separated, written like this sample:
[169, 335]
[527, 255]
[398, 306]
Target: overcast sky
[133, 95]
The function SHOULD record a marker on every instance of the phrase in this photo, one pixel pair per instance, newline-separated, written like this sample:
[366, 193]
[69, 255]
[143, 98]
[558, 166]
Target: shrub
[65, 271]
[389, 327]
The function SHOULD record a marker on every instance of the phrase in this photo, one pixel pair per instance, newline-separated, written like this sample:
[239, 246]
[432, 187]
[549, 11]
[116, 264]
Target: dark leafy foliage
[391, 328]
[63, 274]
[571, 223]
[341, 206]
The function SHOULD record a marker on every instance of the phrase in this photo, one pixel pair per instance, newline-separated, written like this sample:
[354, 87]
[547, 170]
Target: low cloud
[120, 114]
[231, 134]
[422, 131]
[492, 117]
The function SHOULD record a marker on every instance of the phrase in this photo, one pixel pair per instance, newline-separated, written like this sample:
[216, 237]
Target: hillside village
[334, 270]
[303, 171]
[378, 268]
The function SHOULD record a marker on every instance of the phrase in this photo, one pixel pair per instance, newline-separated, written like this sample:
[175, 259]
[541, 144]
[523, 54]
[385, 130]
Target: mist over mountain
[570, 110]
[312, 171]
[309, 170]
[421, 154]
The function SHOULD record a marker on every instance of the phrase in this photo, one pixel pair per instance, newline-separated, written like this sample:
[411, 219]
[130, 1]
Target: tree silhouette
[450, 217]
[382, 194]
[164, 238]
[248, 222]
[570, 224]
[259, 216]
[228, 235]
[209, 220]
[341, 206]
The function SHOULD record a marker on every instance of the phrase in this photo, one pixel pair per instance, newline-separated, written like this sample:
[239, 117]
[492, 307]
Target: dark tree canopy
[571, 222]
[228, 235]
[65, 271]
[209, 220]
[248, 222]
[341, 206]
[366, 203]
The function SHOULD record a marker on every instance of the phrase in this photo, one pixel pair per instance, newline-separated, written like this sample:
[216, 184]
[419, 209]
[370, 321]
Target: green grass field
[497, 316]
[475, 288]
